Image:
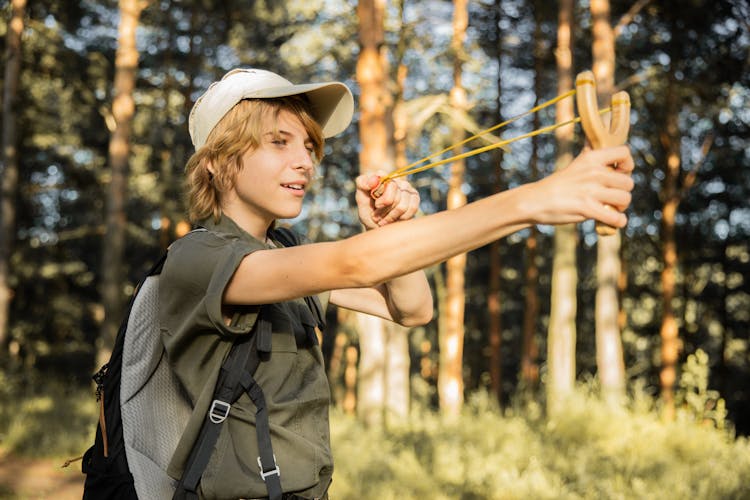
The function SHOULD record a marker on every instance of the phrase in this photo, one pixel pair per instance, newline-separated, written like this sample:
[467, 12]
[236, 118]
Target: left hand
[399, 201]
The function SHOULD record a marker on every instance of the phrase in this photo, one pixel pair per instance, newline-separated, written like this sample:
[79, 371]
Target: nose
[303, 159]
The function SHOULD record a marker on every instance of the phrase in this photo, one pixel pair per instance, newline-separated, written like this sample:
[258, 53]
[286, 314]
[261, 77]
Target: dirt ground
[28, 479]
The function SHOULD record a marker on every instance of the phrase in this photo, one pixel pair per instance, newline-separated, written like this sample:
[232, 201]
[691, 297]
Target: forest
[560, 363]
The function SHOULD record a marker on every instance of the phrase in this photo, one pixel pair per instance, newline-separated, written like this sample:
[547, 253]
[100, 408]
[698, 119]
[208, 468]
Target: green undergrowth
[46, 418]
[588, 451]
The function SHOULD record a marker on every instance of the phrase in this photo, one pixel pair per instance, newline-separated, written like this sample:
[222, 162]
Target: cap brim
[331, 103]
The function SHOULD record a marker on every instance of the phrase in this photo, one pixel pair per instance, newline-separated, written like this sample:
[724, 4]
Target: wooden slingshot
[596, 131]
[614, 133]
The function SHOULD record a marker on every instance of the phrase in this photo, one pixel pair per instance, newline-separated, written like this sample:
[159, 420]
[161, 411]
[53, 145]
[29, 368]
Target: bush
[588, 451]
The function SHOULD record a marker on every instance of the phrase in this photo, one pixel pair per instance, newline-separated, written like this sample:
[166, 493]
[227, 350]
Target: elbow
[418, 317]
[425, 316]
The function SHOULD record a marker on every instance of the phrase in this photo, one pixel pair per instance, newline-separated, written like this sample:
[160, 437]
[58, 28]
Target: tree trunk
[336, 366]
[609, 360]
[168, 203]
[561, 335]
[669, 332]
[383, 386]
[450, 378]
[494, 308]
[400, 120]
[530, 355]
[350, 381]
[123, 110]
[9, 167]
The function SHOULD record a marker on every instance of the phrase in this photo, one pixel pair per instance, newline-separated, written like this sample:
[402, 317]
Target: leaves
[64, 122]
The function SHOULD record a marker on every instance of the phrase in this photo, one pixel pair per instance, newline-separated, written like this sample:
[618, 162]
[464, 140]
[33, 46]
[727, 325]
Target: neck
[256, 227]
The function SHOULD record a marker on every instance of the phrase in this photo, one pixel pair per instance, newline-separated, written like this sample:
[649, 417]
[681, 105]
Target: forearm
[398, 249]
[373, 258]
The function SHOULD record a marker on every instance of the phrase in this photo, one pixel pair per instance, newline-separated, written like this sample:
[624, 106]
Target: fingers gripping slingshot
[589, 115]
[596, 131]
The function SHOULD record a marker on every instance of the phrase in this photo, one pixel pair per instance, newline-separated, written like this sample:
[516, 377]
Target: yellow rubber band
[499, 144]
[410, 167]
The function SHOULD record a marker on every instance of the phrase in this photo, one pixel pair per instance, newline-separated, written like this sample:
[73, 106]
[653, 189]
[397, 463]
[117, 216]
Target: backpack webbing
[235, 379]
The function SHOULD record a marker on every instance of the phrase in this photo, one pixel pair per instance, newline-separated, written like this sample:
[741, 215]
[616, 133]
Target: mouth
[297, 188]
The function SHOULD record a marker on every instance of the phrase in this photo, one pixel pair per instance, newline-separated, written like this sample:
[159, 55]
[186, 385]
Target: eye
[278, 141]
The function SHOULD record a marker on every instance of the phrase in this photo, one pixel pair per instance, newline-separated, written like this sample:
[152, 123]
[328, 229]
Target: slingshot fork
[596, 131]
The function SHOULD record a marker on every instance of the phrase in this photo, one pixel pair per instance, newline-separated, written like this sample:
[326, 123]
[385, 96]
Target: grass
[588, 451]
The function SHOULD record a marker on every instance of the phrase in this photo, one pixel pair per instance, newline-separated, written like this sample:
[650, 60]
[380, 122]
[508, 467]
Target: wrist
[524, 205]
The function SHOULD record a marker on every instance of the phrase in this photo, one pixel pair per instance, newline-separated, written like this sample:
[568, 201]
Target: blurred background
[559, 364]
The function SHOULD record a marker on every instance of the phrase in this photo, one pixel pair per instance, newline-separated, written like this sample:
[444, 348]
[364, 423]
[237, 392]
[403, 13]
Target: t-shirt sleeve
[196, 273]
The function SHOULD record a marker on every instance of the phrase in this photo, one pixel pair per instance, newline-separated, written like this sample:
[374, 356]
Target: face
[274, 177]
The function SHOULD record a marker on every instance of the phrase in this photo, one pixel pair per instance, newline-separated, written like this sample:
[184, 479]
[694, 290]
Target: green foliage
[588, 451]
[64, 123]
[694, 396]
[46, 418]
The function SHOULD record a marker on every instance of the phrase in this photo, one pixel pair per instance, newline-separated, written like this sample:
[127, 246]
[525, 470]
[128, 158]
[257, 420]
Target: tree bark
[400, 119]
[350, 381]
[609, 359]
[669, 331]
[561, 335]
[9, 167]
[530, 355]
[450, 378]
[494, 301]
[123, 110]
[383, 385]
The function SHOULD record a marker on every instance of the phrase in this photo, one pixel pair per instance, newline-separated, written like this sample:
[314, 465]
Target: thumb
[367, 181]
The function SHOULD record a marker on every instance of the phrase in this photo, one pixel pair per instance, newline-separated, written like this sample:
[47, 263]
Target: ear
[211, 169]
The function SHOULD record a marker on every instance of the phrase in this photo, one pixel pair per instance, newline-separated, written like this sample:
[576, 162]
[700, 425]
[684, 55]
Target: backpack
[144, 409]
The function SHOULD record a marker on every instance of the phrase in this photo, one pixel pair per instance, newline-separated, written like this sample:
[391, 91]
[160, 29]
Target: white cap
[331, 103]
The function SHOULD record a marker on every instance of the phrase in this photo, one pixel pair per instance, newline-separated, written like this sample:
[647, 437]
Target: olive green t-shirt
[197, 339]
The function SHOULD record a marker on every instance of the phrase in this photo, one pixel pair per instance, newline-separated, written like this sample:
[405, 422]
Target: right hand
[581, 190]
[399, 201]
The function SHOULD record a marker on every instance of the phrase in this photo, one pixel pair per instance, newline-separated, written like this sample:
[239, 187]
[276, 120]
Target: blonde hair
[239, 131]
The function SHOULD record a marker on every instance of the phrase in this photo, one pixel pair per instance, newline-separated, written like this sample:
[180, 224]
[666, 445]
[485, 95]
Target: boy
[258, 139]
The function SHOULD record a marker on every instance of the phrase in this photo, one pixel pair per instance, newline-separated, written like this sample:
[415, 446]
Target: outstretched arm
[573, 194]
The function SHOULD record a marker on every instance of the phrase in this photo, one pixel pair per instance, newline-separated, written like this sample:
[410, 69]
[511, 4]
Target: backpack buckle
[219, 411]
[275, 470]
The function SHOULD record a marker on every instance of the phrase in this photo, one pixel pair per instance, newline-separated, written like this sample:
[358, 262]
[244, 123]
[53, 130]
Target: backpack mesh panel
[154, 406]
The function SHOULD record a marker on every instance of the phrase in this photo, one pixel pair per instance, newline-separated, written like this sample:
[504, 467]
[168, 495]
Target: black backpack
[135, 437]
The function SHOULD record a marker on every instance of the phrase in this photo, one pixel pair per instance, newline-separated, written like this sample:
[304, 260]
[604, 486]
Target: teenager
[258, 141]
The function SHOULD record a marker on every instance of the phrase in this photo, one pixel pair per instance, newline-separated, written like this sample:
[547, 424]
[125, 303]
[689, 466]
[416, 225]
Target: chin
[289, 214]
